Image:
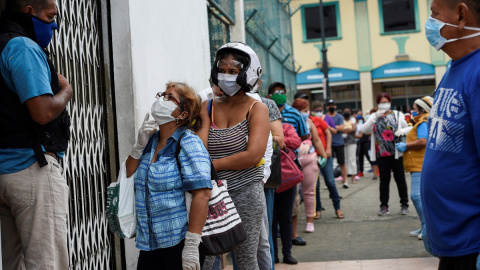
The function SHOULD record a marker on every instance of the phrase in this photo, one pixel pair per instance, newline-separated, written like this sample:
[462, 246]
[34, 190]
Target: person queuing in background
[450, 186]
[413, 153]
[277, 92]
[283, 205]
[387, 125]
[160, 184]
[363, 148]
[307, 155]
[348, 134]
[338, 145]
[237, 130]
[327, 170]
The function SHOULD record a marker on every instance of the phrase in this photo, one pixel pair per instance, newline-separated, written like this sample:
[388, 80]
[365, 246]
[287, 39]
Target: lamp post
[324, 54]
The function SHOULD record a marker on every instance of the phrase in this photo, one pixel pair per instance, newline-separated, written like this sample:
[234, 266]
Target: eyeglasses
[279, 92]
[167, 97]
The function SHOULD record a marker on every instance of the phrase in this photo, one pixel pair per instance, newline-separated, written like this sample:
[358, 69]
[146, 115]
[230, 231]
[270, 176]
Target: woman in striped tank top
[238, 131]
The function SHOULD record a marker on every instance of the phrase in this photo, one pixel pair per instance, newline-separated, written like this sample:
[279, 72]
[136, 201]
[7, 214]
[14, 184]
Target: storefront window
[398, 16]
[311, 22]
[404, 93]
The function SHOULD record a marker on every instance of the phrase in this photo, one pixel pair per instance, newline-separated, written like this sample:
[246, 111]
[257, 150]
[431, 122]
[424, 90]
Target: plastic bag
[121, 213]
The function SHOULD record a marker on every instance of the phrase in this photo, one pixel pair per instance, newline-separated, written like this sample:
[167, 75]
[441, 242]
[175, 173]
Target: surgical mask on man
[43, 31]
[384, 106]
[228, 84]
[318, 113]
[432, 31]
[162, 111]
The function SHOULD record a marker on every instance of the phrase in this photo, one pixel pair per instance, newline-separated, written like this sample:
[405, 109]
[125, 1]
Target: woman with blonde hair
[166, 236]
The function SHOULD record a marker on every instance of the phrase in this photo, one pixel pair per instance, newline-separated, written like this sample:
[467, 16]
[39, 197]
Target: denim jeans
[415, 195]
[327, 172]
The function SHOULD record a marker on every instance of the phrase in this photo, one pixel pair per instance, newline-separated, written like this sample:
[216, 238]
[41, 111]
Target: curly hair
[190, 102]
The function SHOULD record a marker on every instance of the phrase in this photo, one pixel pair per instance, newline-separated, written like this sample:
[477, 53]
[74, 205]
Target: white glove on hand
[190, 255]
[380, 113]
[147, 129]
[402, 131]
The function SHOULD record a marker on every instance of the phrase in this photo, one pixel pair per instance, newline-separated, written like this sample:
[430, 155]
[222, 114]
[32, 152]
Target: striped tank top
[225, 142]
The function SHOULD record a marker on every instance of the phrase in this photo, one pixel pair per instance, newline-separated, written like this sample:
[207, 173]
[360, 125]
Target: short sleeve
[25, 69]
[195, 163]
[338, 120]
[323, 125]
[273, 111]
[422, 131]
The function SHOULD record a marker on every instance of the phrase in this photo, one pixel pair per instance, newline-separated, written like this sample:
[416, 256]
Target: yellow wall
[343, 53]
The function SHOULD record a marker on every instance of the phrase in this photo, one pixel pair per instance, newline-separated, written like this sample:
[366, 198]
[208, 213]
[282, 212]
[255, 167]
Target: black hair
[347, 107]
[19, 5]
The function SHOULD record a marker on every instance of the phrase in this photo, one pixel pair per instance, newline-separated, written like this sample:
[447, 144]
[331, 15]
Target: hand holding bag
[121, 213]
[223, 229]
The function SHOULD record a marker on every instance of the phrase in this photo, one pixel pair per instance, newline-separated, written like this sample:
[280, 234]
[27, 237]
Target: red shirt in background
[321, 125]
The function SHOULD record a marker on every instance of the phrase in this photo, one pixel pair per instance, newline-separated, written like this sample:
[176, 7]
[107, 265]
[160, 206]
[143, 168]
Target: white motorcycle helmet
[250, 73]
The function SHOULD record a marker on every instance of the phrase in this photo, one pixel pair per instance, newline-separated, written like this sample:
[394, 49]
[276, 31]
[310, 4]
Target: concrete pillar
[366, 90]
[237, 31]
[439, 72]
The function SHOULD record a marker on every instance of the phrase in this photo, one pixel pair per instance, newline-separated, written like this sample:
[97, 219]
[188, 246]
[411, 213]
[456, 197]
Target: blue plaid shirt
[162, 220]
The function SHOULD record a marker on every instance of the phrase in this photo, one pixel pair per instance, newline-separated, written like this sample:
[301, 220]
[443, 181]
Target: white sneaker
[416, 233]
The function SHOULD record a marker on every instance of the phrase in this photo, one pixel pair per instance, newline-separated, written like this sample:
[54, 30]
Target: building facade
[373, 46]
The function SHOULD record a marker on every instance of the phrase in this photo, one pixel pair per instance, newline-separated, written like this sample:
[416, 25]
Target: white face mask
[228, 83]
[319, 114]
[162, 111]
[384, 106]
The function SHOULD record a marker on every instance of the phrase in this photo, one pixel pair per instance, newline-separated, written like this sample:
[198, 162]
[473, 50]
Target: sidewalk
[429, 263]
[363, 240]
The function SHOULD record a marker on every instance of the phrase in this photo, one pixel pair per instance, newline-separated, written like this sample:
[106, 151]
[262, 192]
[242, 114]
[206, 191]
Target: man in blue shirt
[34, 133]
[290, 115]
[450, 184]
[338, 146]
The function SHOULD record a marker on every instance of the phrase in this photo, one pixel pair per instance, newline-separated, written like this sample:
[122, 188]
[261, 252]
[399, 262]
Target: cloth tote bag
[223, 230]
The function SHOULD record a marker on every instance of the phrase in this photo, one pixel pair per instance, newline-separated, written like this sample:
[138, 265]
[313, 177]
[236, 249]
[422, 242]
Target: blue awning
[334, 75]
[403, 69]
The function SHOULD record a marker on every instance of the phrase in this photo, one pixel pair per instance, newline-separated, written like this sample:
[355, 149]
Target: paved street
[363, 240]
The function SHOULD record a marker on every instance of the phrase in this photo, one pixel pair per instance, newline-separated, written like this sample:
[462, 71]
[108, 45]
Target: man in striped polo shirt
[277, 92]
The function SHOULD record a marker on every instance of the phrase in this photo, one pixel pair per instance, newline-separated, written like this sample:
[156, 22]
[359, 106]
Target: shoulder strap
[177, 151]
[251, 106]
[210, 110]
